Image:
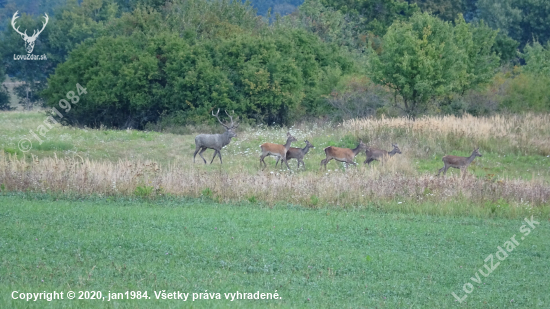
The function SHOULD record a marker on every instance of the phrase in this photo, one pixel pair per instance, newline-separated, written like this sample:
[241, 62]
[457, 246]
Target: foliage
[327, 23]
[67, 27]
[144, 191]
[522, 20]
[358, 98]
[476, 40]
[133, 79]
[374, 16]
[444, 9]
[426, 58]
[200, 20]
[4, 95]
[506, 48]
[527, 92]
[537, 58]
[419, 61]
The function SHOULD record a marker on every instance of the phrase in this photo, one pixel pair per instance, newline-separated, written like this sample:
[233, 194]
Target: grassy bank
[312, 257]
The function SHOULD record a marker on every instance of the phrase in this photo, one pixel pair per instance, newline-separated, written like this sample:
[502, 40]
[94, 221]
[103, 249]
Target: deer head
[396, 148]
[227, 127]
[29, 40]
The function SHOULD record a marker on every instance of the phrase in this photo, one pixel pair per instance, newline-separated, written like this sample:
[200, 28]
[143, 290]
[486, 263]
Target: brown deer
[342, 154]
[459, 162]
[297, 153]
[379, 154]
[215, 141]
[277, 150]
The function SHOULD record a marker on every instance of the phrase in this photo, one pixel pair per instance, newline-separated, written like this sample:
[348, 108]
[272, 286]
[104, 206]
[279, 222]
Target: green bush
[527, 92]
[134, 80]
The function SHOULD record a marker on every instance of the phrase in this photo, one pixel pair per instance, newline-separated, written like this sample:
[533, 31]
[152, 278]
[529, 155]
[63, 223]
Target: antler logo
[29, 40]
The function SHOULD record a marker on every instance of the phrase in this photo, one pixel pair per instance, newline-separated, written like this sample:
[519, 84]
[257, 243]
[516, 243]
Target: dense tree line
[145, 61]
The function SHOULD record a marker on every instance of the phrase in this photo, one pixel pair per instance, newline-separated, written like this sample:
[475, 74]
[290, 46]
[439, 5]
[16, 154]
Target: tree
[374, 16]
[68, 27]
[522, 20]
[4, 96]
[503, 15]
[476, 41]
[419, 61]
[444, 9]
[537, 58]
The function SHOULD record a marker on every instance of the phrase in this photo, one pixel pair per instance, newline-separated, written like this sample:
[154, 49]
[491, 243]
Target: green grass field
[124, 210]
[322, 258]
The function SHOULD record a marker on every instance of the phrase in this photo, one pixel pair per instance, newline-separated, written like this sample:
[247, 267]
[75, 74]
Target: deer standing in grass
[459, 162]
[379, 154]
[277, 150]
[215, 141]
[297, 153]
[342, 154]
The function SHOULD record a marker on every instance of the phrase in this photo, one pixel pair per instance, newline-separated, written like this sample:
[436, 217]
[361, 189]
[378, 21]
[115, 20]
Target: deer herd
[285, 152]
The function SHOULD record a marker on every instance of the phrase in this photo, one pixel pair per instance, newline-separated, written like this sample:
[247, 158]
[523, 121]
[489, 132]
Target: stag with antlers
[215, 141]
[29, 40]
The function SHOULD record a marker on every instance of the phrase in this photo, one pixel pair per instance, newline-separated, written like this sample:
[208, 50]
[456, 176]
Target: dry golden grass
[525, 131]
[354, 187]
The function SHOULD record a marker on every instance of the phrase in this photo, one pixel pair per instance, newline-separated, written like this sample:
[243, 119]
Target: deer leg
[278, 161]
[286, 162]
[325, 162]
[200, 154]
[197, 148]
[220, 156]
[262, 160]
[215, 153]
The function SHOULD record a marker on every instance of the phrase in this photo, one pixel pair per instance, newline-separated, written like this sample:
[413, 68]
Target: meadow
[511, 179]
[126, 210]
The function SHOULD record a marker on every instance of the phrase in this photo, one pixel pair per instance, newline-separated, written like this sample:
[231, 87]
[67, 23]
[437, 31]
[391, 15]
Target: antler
[232, 126]
[13, 24]
[43, 26]
[219, 118]
[231, 117]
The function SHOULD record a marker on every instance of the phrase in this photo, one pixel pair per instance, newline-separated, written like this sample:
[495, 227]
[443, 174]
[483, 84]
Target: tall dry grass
[529, 133]
[355, 187]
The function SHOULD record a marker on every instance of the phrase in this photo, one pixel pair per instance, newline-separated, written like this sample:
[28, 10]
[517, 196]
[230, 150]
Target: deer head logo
[29, 40]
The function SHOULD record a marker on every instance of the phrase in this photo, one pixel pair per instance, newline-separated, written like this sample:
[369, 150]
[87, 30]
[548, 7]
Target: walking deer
[459, 162]
[379, 154]
[342, 154]
[277, 150]
[215, 141]
[297, 153]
